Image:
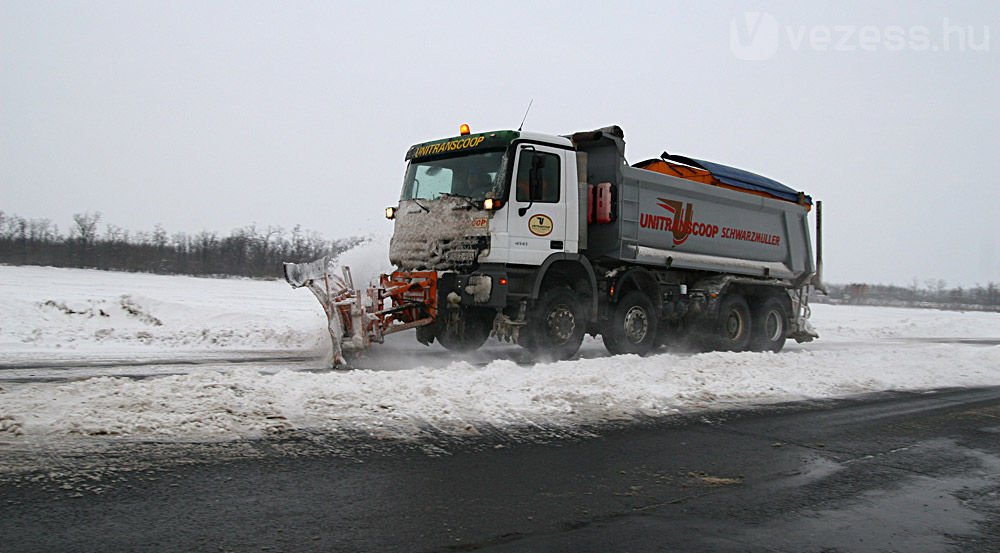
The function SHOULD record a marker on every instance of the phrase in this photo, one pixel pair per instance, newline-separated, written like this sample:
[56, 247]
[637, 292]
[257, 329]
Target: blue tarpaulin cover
[738, 178]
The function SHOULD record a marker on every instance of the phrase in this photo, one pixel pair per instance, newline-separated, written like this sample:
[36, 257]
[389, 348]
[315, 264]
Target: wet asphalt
[907, 472]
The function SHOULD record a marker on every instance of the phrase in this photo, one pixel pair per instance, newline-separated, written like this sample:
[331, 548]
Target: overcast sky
[213, 115]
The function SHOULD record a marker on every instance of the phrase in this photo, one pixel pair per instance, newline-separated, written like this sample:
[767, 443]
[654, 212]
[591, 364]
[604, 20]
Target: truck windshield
[473, 176]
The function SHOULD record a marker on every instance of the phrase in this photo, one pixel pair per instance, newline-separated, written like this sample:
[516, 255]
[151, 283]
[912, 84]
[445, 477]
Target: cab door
[537, 204]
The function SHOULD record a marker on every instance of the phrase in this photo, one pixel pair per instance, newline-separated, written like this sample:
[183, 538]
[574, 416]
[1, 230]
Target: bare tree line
[933, 293]
[250, 251]
[254, 251]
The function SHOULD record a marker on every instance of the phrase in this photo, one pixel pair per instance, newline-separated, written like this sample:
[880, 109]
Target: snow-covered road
[95, 331]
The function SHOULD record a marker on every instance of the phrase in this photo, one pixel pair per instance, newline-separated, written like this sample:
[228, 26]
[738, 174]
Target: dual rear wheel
[557, 323]
[740, 325]
[744, 326]
[731, 331]
[633, 326]
[769, 325]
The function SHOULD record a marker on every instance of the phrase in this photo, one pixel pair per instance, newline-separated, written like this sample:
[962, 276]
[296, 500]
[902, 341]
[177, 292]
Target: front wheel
[633, 325]
[468, 333]
[556, 325]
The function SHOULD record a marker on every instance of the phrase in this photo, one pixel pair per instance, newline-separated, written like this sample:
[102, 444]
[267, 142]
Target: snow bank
[460, 398]
[862, 349]
[49, 313]
[47, 310]
[869, 323]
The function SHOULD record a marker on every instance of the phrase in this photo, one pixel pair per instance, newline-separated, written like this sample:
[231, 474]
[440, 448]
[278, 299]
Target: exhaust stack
[817, 280]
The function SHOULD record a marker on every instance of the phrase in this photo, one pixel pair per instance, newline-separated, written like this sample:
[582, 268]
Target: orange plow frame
[357, 318]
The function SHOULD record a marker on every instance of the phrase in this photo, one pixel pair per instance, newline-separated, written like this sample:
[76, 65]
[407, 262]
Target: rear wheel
[770, 326]
[633, 325]
[731, 331]
[555, 325]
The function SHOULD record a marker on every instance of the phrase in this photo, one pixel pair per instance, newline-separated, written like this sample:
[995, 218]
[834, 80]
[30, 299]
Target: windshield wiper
[414, 200]
[468, 199]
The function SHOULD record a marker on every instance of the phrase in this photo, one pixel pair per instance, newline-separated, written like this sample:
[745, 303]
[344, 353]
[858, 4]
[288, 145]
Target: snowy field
[89, 356]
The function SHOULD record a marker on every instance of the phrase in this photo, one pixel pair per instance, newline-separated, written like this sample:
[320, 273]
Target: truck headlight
[390, 213]
[489, 204]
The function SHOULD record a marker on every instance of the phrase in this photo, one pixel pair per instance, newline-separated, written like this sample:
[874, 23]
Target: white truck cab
[540, 216]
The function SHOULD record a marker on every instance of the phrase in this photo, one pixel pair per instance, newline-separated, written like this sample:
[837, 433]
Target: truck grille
[441, 254]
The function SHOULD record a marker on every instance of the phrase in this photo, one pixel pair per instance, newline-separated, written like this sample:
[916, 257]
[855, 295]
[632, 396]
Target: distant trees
[255, 251]
[248, 251]
[934, 293]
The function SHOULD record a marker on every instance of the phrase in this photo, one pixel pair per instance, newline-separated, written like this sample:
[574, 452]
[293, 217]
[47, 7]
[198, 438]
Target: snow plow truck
[539, 239]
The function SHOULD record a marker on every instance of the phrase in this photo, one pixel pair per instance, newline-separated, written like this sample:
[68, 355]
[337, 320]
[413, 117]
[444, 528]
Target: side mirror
[535, 177]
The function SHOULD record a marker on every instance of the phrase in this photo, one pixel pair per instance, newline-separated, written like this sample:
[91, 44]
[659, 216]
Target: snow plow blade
[299, 274]
[356, 319]
[333, 292]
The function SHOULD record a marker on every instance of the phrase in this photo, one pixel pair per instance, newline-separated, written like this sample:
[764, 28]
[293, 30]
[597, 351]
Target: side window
[544, 170]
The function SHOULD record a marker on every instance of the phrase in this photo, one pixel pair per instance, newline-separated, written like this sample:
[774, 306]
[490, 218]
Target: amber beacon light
[464, 129]
[390, 213]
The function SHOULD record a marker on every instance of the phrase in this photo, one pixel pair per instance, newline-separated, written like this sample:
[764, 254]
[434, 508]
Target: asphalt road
[892, 472]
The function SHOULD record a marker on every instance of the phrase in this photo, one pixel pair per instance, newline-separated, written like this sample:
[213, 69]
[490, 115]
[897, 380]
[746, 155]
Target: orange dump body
[697, 175]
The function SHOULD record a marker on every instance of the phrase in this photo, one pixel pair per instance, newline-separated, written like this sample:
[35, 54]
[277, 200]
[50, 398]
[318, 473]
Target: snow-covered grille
[441, 234]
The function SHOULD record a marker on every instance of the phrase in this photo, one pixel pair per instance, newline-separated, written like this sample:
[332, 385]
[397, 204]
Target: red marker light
[503, 282]
[464, 129]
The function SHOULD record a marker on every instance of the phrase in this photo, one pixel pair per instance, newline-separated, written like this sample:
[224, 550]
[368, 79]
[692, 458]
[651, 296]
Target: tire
[555, 325]
[633, 326]
[731, 331]
[770, 326]
[474, 331]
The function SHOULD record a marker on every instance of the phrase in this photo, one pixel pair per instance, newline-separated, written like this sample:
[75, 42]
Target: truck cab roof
[546, 138]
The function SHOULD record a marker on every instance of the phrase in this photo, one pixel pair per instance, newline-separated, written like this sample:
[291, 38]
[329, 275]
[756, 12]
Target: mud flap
[805, 332]
[802, 330]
